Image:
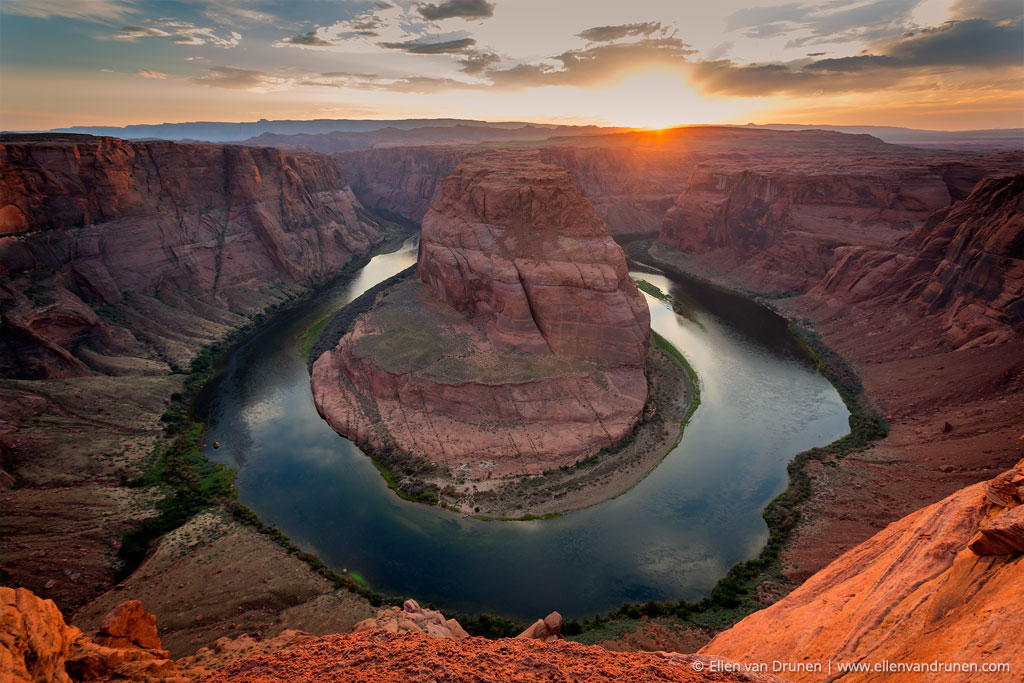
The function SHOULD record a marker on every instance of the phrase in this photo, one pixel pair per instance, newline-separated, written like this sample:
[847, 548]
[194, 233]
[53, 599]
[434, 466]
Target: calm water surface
[670, 537]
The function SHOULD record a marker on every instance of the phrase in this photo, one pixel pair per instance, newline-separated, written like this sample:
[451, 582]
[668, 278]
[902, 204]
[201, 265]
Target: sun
[656, 98]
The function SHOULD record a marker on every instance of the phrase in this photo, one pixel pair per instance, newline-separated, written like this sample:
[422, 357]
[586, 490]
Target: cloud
[969, 43]
[418, 47]
[146, 73]
[464, 9]
[594, 65]
[720, 50]
[133, 32]
[411, 84]
[836, 21]
[90, 10]
[236, 78]
[478, 62]
[225, 13]
[958, 45]
[310, 39]
[179, 32]
[605, 34]
[997, 10]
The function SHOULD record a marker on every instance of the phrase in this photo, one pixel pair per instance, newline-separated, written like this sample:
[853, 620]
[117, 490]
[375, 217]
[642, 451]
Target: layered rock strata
[964, 263]
[522, 344]
[778, 224]
[113, 254]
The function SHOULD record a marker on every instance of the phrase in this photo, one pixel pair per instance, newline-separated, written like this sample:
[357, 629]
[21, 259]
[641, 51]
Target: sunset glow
[932, 64]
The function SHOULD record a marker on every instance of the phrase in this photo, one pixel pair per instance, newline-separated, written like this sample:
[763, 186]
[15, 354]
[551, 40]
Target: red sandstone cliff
[515, 241]
[965, 263]
[775, 223]
[100, 229]
[522, 349]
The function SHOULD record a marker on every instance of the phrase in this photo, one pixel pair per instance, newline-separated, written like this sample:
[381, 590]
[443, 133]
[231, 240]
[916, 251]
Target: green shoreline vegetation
[191, 483]
[652, 289]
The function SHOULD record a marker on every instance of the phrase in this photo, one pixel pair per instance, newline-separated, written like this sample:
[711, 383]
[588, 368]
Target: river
[672, 536]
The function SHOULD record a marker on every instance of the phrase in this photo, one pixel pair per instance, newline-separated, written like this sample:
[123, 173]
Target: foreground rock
[522, 346]
[411, 618]
[915, 592]
[381, 657]
[548, 629]
[36, 644]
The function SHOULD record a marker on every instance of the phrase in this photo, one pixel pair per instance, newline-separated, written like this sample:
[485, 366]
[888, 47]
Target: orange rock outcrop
[915, 592]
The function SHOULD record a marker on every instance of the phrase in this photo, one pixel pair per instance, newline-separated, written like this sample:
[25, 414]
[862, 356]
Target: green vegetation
[312, 334]
[652, 289]
[667, 346]
[193, 484]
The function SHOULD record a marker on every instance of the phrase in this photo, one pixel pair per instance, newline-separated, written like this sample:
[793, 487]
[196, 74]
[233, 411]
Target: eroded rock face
[964, 263]
[515, 241]
[915, 592]
[523, 347]
[34, 640]
[209, 231]
[778, 223]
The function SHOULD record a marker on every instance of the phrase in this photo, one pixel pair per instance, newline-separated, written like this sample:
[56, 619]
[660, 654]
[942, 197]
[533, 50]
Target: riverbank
[753, 584]
[110, 482]
[951, 418]
[673, 395]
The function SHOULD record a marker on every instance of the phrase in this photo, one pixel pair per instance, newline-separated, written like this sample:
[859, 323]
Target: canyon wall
[774, 224]
[629, 188]
[113, 250]
[522, 346]
[964, 263]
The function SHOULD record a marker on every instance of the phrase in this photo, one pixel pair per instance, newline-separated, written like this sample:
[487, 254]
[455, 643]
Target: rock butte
[521, 346]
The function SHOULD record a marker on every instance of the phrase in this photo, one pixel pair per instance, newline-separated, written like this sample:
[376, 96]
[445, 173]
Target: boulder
[547, 629]
[128, 625]
[1002, 535]
[411, 618]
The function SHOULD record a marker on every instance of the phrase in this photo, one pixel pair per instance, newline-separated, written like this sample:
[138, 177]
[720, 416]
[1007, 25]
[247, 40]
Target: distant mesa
[520, 346]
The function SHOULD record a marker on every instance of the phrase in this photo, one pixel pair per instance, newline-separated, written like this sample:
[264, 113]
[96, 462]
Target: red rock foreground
[37, 645]
[521, 347]
[944, 584]
[381, 657]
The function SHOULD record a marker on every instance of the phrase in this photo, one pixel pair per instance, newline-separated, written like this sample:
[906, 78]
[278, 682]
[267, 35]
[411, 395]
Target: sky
[935, 64]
